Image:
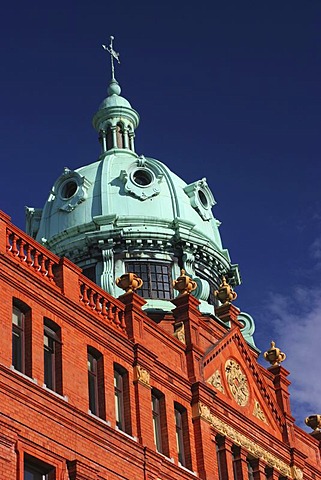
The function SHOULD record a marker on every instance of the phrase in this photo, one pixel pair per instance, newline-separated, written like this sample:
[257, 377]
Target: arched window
[52, 356]
[21, 337]
[109, 138]
[120, 135]
[96, 389]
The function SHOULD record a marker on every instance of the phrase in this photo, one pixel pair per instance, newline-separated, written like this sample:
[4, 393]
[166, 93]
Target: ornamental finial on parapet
[129, 282]
[113, 55]
[225, 292]
[274, 355]
[314, 422]
[184, 284]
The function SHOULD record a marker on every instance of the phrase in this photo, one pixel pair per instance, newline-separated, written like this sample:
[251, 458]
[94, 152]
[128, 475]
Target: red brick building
[94, 387]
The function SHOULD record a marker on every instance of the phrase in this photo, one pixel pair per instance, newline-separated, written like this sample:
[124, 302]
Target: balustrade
[31, 255]
[103, 304]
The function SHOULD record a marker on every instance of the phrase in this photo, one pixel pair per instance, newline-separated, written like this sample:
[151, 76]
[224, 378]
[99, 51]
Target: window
[156, 278]
[90, 272]
[52, 356]
[182, 436]
[159, 422]
[21, 337]
[37, 470]
[96, 393]
[122, 405]
[250, 470]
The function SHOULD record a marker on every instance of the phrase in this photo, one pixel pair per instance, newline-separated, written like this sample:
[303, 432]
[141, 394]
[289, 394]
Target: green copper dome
[128, 212]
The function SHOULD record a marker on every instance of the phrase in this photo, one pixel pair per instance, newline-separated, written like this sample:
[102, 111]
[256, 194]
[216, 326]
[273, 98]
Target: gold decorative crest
[142, 375]
[258, 412]
[237, 382]
[216, 381]
[180, 332]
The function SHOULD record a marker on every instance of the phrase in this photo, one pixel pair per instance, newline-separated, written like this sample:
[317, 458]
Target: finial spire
[113, 55]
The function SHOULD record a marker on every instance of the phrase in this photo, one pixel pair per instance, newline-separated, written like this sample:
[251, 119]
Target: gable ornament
[216, 381]
[258, 412]
[237, 382]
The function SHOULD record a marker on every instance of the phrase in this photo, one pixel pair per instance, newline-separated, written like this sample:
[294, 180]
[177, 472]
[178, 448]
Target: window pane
[17, 346]
[34, 473]
[49, 362]
[119, 400]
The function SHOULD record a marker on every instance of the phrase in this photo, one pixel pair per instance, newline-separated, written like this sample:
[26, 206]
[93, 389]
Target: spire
[114, 88]
[115, 120]
[113, 55]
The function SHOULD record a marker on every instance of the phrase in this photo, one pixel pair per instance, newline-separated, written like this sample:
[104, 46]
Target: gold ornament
[274, 355]
[225, 293]
[314, 421]
[184, 284]
[237, 382]
[129, 282]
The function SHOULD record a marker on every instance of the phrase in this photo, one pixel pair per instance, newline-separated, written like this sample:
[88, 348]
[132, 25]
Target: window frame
[53, 361]
[19, 347]
[179, 436]
[157, 421]
[36, 468]
[119, 399]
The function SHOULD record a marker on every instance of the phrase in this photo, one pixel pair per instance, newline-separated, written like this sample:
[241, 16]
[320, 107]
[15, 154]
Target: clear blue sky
[225, 90]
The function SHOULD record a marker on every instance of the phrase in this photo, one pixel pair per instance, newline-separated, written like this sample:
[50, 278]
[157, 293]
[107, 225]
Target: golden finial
[184, 284]
[129, 282]
[225, 292]
[274, 355]
[314, 422]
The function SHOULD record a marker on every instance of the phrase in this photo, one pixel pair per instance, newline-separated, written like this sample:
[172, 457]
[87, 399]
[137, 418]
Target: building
[98, 384]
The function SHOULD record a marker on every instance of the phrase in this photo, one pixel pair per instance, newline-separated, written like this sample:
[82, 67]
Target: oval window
[69, 189]
[143, 178]
[202, 198]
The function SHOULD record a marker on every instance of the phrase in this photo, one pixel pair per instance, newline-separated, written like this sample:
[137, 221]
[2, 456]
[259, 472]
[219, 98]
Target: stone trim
[142, 376]
[202, 411]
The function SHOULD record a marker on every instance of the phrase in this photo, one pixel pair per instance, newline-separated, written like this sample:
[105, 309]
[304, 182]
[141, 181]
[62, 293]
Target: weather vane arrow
[113, 55]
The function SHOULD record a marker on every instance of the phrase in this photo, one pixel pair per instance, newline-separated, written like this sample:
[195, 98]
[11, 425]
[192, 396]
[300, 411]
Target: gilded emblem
[216, 381]
[237, 382]
[258, 412]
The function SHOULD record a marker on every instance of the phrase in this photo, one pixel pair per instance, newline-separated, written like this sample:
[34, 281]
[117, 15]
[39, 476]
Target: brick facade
[250, 434]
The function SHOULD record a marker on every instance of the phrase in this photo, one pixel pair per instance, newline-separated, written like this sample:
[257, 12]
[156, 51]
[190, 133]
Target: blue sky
[229, 91]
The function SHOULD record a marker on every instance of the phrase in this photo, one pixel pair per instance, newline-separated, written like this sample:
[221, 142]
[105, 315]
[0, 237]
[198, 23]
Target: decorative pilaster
[281, 385]
[228, 313]
[240, 463]
[258, 469]
[225, 457]
[207, 465]
[187, 313]
[133, 315]
[107, 276]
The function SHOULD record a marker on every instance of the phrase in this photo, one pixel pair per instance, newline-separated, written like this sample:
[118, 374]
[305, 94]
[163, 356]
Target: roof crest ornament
[113, 55]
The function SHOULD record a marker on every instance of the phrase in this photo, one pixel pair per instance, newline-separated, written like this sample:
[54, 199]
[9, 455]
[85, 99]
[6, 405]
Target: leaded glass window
[156, 278]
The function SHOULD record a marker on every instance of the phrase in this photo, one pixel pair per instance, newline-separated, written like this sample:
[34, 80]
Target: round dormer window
[69, 189]
[142, 177]
[203, 198]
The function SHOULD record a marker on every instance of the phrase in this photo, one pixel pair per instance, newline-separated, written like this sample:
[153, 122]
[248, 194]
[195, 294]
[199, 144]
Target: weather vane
[113, 55]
